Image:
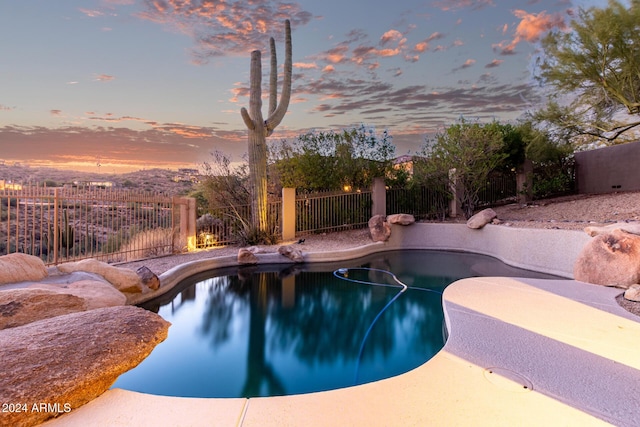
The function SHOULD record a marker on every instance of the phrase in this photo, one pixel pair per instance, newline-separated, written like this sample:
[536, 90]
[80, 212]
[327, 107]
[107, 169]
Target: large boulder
[19, 267]
[122, 279]
[379, 228]
[482, 218]
[402, 219]
[294, 254]
[69, 360]
[21, 306]
[610, 259]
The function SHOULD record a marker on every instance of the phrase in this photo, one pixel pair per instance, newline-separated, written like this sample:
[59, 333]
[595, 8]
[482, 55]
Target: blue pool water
[281, 329]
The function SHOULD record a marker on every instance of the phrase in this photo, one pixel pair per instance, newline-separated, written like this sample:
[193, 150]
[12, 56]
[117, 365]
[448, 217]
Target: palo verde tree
[260, 129]
[466, 153]
[595, 65]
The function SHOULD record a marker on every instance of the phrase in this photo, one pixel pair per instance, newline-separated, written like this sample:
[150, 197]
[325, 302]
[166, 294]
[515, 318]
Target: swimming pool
[282, 329]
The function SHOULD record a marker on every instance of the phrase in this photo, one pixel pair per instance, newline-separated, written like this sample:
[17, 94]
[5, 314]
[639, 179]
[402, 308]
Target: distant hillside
[161, 180]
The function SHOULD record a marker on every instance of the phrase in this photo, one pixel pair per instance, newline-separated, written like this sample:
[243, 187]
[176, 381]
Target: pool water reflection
[280, 329]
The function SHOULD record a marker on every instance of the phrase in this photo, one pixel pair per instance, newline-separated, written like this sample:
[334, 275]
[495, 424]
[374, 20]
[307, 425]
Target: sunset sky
[132, 84]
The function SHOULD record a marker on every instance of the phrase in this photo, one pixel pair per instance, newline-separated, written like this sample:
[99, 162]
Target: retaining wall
[544, 250]
[609, 169]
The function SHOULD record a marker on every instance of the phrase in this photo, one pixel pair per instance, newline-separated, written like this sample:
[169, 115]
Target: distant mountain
[160, 180]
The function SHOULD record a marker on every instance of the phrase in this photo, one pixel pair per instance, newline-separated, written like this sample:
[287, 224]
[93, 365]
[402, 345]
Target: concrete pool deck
[520, 352]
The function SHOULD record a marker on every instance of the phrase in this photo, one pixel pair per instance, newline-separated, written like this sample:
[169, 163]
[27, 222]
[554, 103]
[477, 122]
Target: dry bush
[148, 244]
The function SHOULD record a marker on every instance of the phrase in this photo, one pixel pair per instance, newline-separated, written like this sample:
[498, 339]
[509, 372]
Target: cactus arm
[276, 117]
[247, 119]
[273, 78]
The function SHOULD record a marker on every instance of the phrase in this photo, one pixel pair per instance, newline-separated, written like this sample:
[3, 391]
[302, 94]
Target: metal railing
[322, 212]
[225, 225]
[69, 224]
[501, 189]
[421, 202]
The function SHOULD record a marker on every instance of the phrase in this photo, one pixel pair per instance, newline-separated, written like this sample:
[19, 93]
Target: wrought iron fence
[421, 202]
[225, 225]
[69, 224]
[501, 188]
[332, 212]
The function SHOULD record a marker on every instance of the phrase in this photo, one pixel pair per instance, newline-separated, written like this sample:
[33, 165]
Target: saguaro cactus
[260, 129]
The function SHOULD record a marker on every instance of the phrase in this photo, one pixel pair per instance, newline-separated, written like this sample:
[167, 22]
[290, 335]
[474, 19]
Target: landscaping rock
[632, 228]
[122, 279]
[294, 254]
[633, 293]
[610, 259]
[246, 256]
[95, 293]
[20, 267]
[22, 306]
[401, 219]
[148, 278]
[67, 361]
[482, 218]
[379, 229]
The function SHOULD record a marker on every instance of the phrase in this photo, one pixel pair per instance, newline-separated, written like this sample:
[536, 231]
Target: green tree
[330, 160]
[597, 66]
[467, 153]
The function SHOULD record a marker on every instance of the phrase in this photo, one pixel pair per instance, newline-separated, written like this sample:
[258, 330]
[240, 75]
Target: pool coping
[554, 337]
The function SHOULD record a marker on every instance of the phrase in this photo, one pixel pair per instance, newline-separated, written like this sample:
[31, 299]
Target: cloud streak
[223, 28]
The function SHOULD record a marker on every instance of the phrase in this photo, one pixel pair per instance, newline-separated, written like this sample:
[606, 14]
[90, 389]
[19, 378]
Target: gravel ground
[573, 212]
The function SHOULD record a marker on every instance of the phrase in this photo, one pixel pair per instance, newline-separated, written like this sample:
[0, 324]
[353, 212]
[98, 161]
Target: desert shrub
[148, 244]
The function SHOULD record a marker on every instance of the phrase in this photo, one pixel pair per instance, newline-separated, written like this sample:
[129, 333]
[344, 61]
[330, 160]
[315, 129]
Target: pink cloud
[104, 78]
[389, 36]
[531, 28]
[421, 47]
[494, 63]
[55, 112]
[305, 65]
[91, 13]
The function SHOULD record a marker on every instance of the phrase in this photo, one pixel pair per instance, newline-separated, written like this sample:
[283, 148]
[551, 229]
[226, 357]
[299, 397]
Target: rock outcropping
[401, 219]
[632, 228]
[294, 254]
[19, 267]
[21, 306]
[379, 228]
[66, 361]
[481, 219]
[122, 279]
[611, 259]
[247, 256]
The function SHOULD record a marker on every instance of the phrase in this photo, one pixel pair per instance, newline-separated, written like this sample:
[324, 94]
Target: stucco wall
[609, 169]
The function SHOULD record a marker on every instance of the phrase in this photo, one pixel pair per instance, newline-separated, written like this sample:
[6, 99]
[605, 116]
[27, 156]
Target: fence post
[456, 189]
[56, 202]
[187, 221]
[288, 214]
[524, 182]
[378, 197]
